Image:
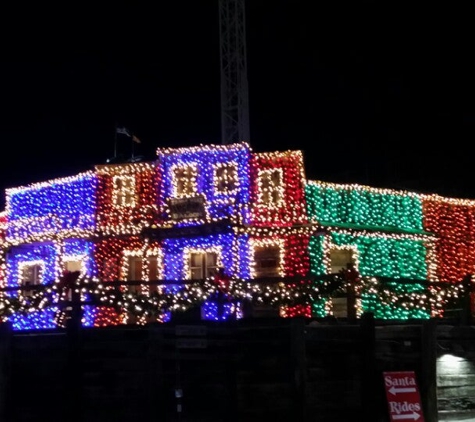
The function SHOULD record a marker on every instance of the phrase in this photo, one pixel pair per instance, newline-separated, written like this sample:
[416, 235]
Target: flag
[123, 131]
[135, 139]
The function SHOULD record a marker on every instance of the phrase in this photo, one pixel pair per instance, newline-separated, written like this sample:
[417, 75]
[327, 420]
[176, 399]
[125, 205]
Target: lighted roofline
[203, 147]
[48, 183]
[108, 168]
[388, 191]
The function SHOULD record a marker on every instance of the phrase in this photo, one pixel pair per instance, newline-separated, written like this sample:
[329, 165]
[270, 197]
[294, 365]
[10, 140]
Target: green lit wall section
[357, 205]
[387, 256]
[384, 228]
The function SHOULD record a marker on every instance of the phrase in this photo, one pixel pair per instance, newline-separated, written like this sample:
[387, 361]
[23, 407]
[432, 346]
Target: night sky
[379, 93]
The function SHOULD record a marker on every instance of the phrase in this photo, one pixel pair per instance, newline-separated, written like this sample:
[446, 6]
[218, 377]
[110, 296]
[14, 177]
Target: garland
[181, 297]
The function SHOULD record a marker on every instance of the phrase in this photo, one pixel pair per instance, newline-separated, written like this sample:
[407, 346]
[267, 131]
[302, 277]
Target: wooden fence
[280, 369]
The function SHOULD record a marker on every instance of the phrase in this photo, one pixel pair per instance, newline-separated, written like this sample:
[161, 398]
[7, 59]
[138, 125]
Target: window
[185, 181]
[30, 276]
[340, 302]
[203, 265]
[134, 272]
[270, 188]
[124, 191]
[73, 266]
[153, 273]
[226, 178]
[152, 264]
[267, 261]
[339, 258]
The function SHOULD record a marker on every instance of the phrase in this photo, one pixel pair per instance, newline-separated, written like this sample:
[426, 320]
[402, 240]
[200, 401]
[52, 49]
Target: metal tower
[234, 85]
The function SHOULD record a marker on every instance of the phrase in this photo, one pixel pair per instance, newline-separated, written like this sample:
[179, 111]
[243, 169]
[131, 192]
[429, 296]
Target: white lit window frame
[144, 258]
[75, 258]
[22, 266]
[191, 169]
[229, 177]
[123, 192]
[204, 252]
[256, 244]
[266, 174]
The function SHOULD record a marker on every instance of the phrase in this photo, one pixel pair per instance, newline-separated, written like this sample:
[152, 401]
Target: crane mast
[234, 83]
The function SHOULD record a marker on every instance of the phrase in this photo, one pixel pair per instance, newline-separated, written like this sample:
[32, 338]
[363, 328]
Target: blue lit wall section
[206, 159]
[234, 253]
[83, 249]
[46, 209]
[243, 269]
[89, 314]
[224, 308]
[37, 320]
[22, 255]
[216, 310]
[174, 250]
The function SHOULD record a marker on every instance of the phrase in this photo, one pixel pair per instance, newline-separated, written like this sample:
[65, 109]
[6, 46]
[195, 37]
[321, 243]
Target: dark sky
[380, 93]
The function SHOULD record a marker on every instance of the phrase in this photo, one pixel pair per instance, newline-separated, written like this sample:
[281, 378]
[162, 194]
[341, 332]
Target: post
[73, 376]
[369, 380]
[231, 367]
[115, 140]
[299, 367]
[156, 390]
[428, 374]
[351, 303]
[466, 318]
[5, 356]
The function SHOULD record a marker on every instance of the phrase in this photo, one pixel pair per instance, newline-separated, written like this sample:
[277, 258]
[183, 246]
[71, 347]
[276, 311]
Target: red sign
[402, 393]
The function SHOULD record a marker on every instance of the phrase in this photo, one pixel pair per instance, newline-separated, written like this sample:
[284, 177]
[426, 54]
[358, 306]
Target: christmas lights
[167, 226]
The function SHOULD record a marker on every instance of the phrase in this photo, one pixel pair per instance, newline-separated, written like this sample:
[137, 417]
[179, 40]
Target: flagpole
[115, 140]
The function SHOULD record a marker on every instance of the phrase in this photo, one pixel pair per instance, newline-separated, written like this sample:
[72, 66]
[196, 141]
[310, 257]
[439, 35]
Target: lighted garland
[384, 298]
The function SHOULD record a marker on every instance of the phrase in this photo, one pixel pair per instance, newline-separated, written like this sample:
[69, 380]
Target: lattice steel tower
[234, 85]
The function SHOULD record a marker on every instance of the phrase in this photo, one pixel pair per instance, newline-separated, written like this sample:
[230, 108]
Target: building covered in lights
[195, 210]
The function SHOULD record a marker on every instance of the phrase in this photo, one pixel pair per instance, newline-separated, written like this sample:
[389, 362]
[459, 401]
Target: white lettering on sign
[399, 407]
[399, 382]
[403, 397]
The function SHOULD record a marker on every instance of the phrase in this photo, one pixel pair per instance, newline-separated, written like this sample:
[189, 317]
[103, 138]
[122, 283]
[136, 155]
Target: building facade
[169, 226]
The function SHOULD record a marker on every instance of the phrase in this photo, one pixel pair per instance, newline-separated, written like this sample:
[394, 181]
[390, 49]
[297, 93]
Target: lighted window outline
[191, 175]
[153, 253]
[144, 258]
[266, 175]
[329, 246]
[138, 255]
[124, 269]
[202, 251]
[351, 250]
[123, 192]
[38, 278]
[264, 243]
[230, 176]
[355, 261]
[75, 258]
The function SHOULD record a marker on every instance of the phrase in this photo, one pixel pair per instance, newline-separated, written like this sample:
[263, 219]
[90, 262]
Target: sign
[187, 208]
[191, 343]
[402, 394]
[191, 337]
[190, 330]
